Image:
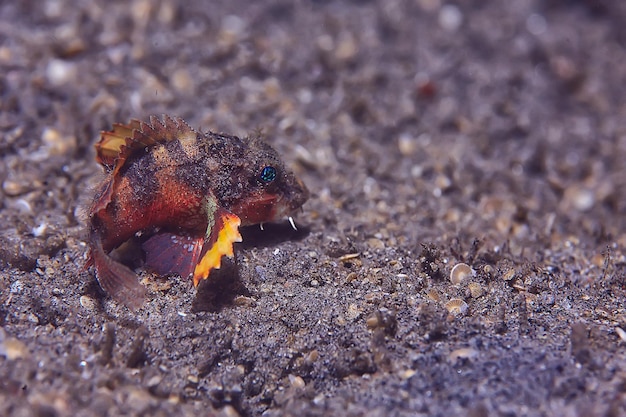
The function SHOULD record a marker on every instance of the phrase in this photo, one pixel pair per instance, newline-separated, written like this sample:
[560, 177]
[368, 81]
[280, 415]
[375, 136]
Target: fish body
[187, 193]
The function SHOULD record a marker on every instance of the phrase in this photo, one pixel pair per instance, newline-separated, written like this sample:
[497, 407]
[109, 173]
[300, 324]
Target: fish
[186, 193]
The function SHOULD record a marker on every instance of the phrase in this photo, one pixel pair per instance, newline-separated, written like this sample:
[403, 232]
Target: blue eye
[268, 174]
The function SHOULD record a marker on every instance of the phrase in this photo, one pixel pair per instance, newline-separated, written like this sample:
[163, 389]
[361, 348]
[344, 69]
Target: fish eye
[268, 174]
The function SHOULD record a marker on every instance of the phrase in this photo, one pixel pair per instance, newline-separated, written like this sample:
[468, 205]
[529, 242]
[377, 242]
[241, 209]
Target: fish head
[269, 191]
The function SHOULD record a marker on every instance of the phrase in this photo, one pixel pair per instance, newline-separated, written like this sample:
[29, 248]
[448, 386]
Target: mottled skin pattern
[165, 178]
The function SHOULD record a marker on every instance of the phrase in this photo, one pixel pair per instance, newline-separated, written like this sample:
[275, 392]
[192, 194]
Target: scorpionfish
[186, 193]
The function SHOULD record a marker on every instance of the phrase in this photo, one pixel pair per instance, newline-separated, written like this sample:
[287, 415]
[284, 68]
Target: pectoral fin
[168, 253]
[222, 232]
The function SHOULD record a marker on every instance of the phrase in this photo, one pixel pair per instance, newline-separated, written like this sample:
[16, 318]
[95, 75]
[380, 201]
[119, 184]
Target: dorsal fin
[111, 142]
[117, 145]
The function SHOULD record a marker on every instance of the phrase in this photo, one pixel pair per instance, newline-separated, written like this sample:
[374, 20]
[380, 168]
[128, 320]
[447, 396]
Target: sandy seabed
[430, 134]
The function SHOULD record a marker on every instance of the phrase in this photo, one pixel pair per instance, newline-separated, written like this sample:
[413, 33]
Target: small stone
[14, 188]
[154, 381]
[463, 353]
[312, 356]
[57, 143]
[580, 198]
[13, 349]
[536, 24]
[232, 29]
[296, 381]
[372, 297]
[228, 411]
[375, 243]
[348, 257]
[87, 302]
[347, 47]
[353, 312]
[6, 55]
[325, 43]
[407, 374]
[450, 18]
[244, 301]
[621, 333]
[407, 144]
[233, 24]
[60, 72]
[372, 321]
[139, 400]
[181, 81]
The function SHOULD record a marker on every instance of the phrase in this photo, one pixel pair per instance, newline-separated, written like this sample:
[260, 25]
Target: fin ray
[116, 145]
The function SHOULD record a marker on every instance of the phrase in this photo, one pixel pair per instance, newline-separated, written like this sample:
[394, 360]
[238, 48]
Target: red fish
[188, 192]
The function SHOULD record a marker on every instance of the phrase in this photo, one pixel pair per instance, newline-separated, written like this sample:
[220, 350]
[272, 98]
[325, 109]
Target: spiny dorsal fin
[117, 145]
[111, 142]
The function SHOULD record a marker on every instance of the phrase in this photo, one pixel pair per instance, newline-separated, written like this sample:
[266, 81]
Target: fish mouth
[272, 207]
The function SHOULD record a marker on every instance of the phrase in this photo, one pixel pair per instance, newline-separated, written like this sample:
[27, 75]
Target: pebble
[621, 333]
[347, 47]
[375, 243]
[372, 322]
[228, 411]
[463, 353]
[233, 24]
[11, 348]
[581, 198]
[536, 24]
[244, 301]
[60, 72]
[87, 302]
[154, 381]
[407, 374]
[40, 230]
[57, 143]
[450, 18]
[33, 318]
[139, 400]
[312, 356]
[182, 81]
[232, 29]
[407, 144]
[6, 55]
[14, 188]
[353, 312]
[296, 381]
